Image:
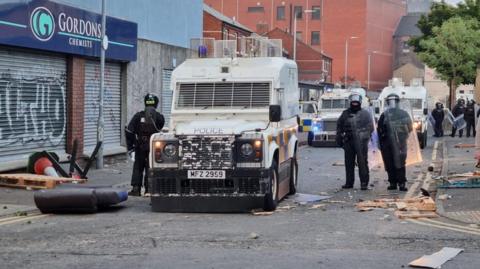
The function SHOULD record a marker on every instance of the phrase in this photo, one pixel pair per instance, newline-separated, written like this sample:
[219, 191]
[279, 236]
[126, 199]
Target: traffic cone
[43, 166]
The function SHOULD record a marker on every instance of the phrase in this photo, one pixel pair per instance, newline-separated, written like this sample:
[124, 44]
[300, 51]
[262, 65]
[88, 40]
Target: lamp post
[346, 58]
[295, 32]
[101, 121]
[368, 68]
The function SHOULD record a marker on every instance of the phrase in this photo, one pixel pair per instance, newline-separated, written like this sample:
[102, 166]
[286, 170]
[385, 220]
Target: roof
[224, 18]
[419, 6]
[408, 26]
[286, 37]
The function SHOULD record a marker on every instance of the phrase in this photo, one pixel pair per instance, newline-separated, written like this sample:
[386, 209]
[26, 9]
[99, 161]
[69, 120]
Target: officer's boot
[135, 191]
[147, 192]
[392, 187]
[401, 187]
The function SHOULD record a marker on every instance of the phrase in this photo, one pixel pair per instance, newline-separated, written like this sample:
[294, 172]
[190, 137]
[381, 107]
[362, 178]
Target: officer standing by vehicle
[394, 128]
[438, 115]
[458, 110]
[138, 132]
[354, 128]
[469, 117]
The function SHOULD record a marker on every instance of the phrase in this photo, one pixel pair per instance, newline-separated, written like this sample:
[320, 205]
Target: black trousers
[396, 175]
[438, 129]
[351, 155]
[454, 130]
[140, 170]
[471, 125]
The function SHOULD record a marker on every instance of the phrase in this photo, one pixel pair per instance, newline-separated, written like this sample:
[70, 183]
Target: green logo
[42, 23]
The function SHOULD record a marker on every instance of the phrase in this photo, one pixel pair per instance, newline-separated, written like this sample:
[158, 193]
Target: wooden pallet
[31, 181]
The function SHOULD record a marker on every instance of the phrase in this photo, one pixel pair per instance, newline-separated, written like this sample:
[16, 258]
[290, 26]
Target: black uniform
[394, 127]
[354, 128]
[458, 110]
[141, 127]
[439, 115]
[469, 117]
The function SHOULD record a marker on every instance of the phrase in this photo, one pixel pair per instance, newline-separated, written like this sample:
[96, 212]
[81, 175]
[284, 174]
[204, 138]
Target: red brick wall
[75, 102]
[213, 28]
[373, 21]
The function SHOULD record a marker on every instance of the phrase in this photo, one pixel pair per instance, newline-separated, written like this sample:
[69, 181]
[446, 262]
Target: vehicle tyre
[271, 198]
[293, 175]
[310, 138]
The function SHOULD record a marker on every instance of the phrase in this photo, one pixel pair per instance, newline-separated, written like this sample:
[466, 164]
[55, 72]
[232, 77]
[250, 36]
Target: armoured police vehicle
[416, 94]
[232, 143]
[308, 112]
[331, 105]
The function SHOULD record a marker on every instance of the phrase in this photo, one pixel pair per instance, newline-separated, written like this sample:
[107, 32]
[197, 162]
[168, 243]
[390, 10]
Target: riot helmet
[392, 100]
[355, 100]
[461, 102]
[470, 103]
[438, 105]
[151, 100]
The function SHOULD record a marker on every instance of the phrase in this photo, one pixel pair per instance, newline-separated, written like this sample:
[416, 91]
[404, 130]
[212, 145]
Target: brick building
[220, 27]
[313, 66]
[326, 26]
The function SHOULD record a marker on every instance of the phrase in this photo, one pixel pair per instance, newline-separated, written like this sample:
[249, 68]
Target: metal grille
[167, 94]
[223, 94]
[330, 125]
[165, 186]
[249, 185]
[112, 99]
[32, 103]
[207, 186]
[204, 152]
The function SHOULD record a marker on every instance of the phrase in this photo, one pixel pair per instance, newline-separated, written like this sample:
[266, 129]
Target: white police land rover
[232, 141]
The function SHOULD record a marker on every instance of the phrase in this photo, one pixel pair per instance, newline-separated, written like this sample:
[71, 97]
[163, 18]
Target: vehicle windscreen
[415, 103]
[308, 108]
[334, 103]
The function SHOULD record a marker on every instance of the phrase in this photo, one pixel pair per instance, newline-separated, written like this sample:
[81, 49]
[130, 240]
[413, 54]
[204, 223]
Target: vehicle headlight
[170, 150]
[246, 149]
[317, 126]
[417, 124]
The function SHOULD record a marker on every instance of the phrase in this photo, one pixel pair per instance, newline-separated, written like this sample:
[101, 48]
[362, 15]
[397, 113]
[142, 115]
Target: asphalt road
[335, 235]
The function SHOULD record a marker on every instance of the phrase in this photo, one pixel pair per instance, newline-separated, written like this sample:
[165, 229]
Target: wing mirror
[377, 110]
[275, 113]
[425, 111]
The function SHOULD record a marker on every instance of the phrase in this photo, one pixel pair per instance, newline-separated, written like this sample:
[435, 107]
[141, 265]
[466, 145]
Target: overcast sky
[453, 1]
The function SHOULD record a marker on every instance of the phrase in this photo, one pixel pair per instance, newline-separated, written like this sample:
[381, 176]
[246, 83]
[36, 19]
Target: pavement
[463, 204]
[327, 234]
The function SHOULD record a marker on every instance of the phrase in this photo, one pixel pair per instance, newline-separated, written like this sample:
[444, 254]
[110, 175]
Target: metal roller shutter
[32, 103]
[112, 99]
[167, 94]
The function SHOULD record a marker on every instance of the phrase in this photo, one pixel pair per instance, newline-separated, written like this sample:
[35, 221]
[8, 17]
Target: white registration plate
[212, 174]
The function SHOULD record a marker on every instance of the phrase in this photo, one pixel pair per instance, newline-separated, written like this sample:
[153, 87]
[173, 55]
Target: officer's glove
[131, 154]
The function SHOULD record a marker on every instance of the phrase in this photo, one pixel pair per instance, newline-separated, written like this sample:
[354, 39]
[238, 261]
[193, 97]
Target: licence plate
[210, 174]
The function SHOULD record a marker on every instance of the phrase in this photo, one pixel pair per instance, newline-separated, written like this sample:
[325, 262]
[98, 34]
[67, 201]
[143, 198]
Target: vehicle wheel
[293, 176]
[271, 198]
[310, 138]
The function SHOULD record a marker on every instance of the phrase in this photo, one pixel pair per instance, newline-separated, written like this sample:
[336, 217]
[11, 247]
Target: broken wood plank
[415, 214]
[32, 181]
[464, 145]
[437, 259]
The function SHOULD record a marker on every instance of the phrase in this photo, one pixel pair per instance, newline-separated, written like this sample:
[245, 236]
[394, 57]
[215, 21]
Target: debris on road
[318, 206]
[421, 207]
[32, 181]
[253, 236]
[303, 199]
[464, 145]
[437, 259]
[465, 180]
[425, 192]
[338, 163]
[285, 207]
[262, 213]
[444, 197]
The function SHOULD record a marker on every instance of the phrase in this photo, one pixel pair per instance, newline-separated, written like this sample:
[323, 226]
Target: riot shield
[402, 138]
[431, 120]
[459, 122]
[361, 124]
[450, 116]
[374, 154]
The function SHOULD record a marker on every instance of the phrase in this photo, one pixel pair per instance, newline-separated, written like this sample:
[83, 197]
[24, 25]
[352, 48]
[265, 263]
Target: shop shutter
[167, 94]
[112, 105]
[32, 103]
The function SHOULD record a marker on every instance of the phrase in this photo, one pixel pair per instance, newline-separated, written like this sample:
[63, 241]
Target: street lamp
[295, 31]
[346, 57]
[368, 68]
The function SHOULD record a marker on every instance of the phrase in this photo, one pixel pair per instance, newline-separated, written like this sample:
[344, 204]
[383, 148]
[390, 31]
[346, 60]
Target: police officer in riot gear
[457, 111]
[354, 128]
[138, 132]
[469, 117]
[438, 115]
[394, 127]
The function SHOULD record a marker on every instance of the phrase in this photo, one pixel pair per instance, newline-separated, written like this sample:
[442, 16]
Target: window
[335, 103]
[315, 38]
[298, 10]
[316, 12]
[280, 13]
[299, 35]
[258, 9]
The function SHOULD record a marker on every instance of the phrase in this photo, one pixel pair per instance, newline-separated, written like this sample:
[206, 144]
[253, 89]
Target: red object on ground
[41, 164]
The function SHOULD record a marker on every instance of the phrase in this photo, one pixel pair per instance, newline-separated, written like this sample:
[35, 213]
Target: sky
[453, 1]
